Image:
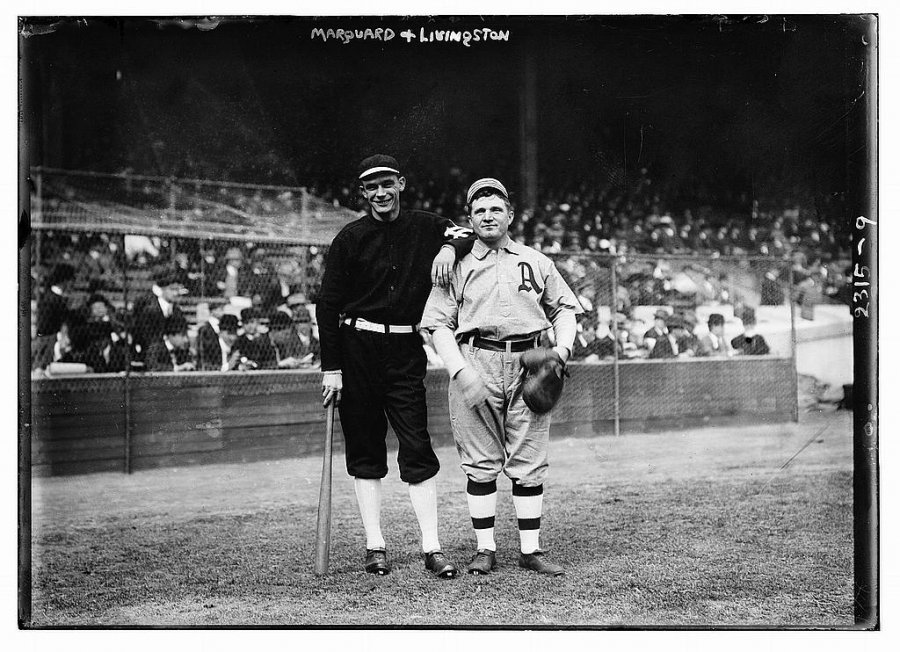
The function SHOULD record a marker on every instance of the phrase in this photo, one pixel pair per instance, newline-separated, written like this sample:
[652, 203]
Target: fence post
[38, 233]
[795, 413]
[615, 330]
[126, 387]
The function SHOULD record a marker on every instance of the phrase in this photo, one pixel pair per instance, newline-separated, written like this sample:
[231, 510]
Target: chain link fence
[663, 306]
[119, 260]
[213, 287]
[642, 311]
[146, 291]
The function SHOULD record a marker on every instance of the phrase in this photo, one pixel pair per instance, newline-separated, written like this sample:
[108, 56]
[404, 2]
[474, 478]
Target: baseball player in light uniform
[500, 299]
[375, 285]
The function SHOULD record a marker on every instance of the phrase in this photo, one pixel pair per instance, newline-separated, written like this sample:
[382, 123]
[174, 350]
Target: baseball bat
[323, 522]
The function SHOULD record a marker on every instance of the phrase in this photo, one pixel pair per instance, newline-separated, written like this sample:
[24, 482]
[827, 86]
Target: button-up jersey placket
[502, 281]
[505, 305]
[392, 275]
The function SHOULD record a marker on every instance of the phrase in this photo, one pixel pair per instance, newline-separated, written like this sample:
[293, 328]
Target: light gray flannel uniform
[508, 294]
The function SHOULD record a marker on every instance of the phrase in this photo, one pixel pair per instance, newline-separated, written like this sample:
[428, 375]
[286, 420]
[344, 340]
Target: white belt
[361, 324]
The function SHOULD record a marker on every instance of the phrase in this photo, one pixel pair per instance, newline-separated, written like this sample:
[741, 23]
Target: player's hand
[332, 384]
[562, 352]
[442, 267]
[472, 386]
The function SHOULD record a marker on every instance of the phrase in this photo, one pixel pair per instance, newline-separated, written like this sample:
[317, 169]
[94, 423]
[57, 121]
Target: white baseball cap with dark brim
[487, 182]
[378, 164]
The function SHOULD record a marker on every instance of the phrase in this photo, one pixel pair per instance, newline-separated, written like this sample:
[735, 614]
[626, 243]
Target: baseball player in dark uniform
[378, 274]
[502, 296]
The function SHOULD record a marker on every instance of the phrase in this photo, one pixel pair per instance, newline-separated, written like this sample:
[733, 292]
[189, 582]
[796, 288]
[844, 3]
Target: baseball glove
[544, 375]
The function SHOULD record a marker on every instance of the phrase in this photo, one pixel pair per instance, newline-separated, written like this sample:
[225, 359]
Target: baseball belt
[510, 346]
[361, 324]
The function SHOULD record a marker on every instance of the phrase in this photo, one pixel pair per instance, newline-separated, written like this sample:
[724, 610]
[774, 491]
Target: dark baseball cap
[378, 164]
[228, 323]
[486, 182]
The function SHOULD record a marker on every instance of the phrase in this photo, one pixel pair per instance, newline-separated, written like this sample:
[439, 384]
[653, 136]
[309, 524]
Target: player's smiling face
[490, 217]
[382, 191]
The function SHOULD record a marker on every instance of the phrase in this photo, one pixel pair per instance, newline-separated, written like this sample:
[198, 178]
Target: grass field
[706, 527]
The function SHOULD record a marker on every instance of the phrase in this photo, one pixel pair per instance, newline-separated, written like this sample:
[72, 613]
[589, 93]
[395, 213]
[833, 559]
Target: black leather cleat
[535, 561]
[482, 563]
[377, 562]
[439, 565]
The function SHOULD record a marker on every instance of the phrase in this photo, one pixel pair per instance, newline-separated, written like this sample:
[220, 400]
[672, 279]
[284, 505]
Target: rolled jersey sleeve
[441, 309]
[561, 307]
[330, 304]
[442, 312]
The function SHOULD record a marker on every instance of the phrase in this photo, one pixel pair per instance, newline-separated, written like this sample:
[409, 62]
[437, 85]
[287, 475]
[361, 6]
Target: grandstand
[131, 204]
[651, 157]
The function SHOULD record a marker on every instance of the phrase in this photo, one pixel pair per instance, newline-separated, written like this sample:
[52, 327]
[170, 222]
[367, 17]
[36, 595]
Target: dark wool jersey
[381, 272]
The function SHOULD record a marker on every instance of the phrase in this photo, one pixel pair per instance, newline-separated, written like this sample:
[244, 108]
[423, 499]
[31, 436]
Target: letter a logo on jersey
[528, 281]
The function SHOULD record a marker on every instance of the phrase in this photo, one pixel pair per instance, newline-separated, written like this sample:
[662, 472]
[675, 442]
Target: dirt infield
[705, 527]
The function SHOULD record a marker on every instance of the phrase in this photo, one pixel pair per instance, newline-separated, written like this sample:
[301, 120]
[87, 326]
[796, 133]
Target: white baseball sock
[424, 500]
[529, 503]
[368, 495]
[482, 499]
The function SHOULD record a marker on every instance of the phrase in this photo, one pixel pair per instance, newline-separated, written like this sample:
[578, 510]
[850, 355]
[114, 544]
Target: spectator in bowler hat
[657, 340]
[152, 309]
[215, 344]
[713, 344]
[750, 342]
[173, 352]
[254, 348]
[53, 311]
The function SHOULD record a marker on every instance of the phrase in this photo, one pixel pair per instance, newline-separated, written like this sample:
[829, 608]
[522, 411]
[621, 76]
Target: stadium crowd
[253, 307]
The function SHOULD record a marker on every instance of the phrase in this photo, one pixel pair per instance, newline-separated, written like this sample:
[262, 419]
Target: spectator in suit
[208, 352]
[215, 342]
[254, 348]
[585, 347]
[713, 344]
[657, 340]
[750, 342]
[153, 309]
[282, 286]
[684, 344]
[234, 279]
[293, 340]
[173, 353]
[263, 286]
[53, 314]
[304, 328]
[98, 338]
[608, 347]
[296, 306]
